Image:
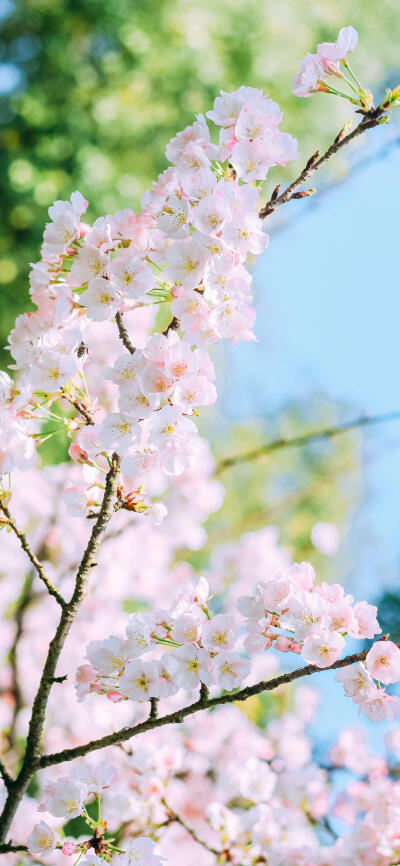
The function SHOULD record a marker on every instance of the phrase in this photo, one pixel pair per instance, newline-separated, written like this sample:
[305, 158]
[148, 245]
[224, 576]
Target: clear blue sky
[328, 312]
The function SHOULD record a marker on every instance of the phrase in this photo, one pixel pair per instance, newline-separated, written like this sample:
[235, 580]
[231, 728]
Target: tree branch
[33, 558]
[123, 333]
[179, 715]
[21, 606]
[305, 438]
[369, 120]
[31, 761]
[7, 779]
[78, 406]
[8, 847]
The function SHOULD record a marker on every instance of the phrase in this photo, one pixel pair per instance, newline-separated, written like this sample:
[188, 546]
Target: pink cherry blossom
[383, 661]
[323, 648]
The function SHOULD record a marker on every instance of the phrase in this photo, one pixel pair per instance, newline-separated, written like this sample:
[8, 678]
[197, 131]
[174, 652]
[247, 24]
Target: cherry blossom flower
[189, 666]
[330, 53]
[65, 226]
[119, 432]
[100, 299]
[42, 839]
[219, 633]
[140, 680]
[108, 656]
[356, 680]
[141, 852]
[383, 661]
[230, 669]
[66, 798]
[323, 648]
[89, 262]
[310, 78]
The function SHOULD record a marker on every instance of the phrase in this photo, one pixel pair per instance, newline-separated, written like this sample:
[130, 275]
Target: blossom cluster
[253, 792]
[318, 616]
[201, 650]
[316, 68]
[288, 612]
[68, 798]
[382, 664]
[187, 248]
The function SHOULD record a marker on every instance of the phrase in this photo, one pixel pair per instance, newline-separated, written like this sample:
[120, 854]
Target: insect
[82, 350]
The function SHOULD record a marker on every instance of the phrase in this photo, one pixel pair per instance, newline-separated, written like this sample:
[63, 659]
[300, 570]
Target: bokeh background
[90, 92]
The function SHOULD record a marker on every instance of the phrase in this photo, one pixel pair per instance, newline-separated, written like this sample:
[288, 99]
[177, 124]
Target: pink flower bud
[79, 454]
[115, 697]
[69, 848]
[83, 228]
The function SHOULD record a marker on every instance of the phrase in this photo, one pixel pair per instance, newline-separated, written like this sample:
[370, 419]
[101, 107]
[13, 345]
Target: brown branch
[117, 737]
[7, 779]
[21, 606]
[33, 558]
[305, 438]
[79, 406]
[123, 333]
[31, 761]
[369, 120]
[9, 847]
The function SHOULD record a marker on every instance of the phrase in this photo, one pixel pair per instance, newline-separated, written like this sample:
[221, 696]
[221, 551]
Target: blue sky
[328, 312]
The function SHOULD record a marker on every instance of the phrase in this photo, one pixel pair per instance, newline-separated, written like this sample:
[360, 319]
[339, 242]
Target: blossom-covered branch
[178, 716]
[305, 439]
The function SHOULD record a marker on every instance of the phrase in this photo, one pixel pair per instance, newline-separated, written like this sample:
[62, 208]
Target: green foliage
[103, 86]
[292, 489]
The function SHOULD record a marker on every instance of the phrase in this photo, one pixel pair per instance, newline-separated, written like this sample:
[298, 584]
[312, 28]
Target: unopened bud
[312, 160]
[303, 194]
[395, 96]
[366, 99]
[344, 131]
[275, 193]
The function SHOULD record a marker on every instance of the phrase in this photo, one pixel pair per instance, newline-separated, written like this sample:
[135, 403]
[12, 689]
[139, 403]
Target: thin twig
[369, 120]
[79, 406]
[153, 708]
[178, 716]
[305, 438]
[31, 761]
[21, 606]
[33, 558]
[178, 820]
[123, 333]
